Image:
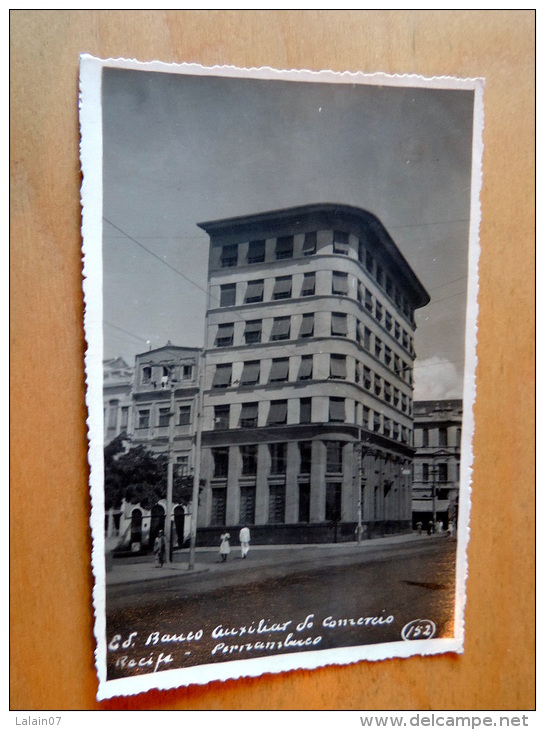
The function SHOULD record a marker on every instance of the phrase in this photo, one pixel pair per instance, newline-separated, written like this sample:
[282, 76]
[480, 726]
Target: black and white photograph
[281, 273]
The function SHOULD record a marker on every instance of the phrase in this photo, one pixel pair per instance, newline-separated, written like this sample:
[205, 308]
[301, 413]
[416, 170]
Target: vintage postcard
[280, 279]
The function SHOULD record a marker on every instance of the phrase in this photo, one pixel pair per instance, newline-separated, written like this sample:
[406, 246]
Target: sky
[181, 149]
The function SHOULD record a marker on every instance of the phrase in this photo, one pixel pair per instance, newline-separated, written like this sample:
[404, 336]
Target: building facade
[157, 411]
[307, 418]
[117, 396]
[436, 475]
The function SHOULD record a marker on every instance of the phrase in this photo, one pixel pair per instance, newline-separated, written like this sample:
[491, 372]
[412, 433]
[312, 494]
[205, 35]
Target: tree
[140, 477]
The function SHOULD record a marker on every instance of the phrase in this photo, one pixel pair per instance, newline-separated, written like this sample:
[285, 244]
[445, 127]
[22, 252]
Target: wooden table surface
[52, 645]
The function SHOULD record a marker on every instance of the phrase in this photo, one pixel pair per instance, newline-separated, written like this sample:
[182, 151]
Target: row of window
[283, 290]
[432, 473]
[440, 437]
[161, 376]
[163, 417]
[280, 371]
[284, 249]
[278, 416]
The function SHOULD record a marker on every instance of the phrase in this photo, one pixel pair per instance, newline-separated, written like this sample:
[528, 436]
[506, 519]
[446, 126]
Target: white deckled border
[91, 198]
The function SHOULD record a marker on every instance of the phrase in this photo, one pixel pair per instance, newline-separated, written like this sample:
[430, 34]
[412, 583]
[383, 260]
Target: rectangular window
[309, 285]
[387, 355]
[377, 422]
[425, 437]
[182, 465]
[250, 373]
[305, 369]
[221, 417]
[305, 410]
[247, 506]
[219, 507]
[339, 326]
[367, 338]
[256, 252]
[443, 436]
[339, 283]
[379, 311]
[404, 403]
[280, 329]
[248, 455]
[307, 326]
[112, 414]
[248, 415]
[378, 347]
[277, 503]
[304, 503]
[389, 287]
[187, 372]
[221, 462]
[125, 418]
[366, 377]
[443, 472]
[184, 415]
[378, 384]
[278, 413]
[368, 301]
[333, 496]
[336, 410]
[388, 321]
[227, 295]
[143, 418]
[309, 244]
[405, 340]
[282, 287]
[380, 275]
[337, 367]
[369, 262]
[305, 457]
[284, 247]
[146, 374]
[396, 397]
[397, 330]
[361, 292]
[222, 376]
[387, 392]
[254, 291]
[334, 457]
[224, 335]
[229, 256]
[252, 332]
[387, 427]
[278, 458]
[425, 472]
[340, 243]
[279, 370]
[365, 416]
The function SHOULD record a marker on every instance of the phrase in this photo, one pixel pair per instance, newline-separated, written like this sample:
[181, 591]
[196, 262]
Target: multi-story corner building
[307, 423]
[117, 396]
[436, 482]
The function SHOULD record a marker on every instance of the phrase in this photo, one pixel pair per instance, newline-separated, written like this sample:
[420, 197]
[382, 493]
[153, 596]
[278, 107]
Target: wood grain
[52, 645]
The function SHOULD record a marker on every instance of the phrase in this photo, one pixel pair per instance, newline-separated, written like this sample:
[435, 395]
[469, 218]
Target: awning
[222, 376]
[248, 414]
[337, 366]
[336, 409]
[340, 283]
[282, 287]
[254, 290]
[305, 369]
[309, 284]
[279, 370]
[307, 326]
[281, 329]
[338, 324]
[277, 412]
[250, 373]
[426, 505]
[253, 325]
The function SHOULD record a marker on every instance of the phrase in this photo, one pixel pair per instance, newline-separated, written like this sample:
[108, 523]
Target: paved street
[223, 611]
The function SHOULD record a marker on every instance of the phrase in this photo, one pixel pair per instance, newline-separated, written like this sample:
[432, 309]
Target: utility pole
[197, 470]
[170, 469]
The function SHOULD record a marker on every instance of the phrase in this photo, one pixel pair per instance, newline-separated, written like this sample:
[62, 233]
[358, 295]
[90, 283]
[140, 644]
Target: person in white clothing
[244, 537]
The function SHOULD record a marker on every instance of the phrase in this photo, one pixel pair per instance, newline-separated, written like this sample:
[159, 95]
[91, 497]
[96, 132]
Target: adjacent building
[155, 405]
[436, 475]
[307, 419]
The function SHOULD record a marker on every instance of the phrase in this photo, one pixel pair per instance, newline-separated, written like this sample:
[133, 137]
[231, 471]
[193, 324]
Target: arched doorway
[157, 522]
[179, 521]
[136, 526]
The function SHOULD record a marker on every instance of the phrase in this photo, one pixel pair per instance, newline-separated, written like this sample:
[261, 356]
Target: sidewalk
[207, 558]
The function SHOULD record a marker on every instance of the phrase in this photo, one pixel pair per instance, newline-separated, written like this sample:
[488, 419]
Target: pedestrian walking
[419, 527]
[431, 527]
[160, 548]
[225, 547]
[244, 537]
